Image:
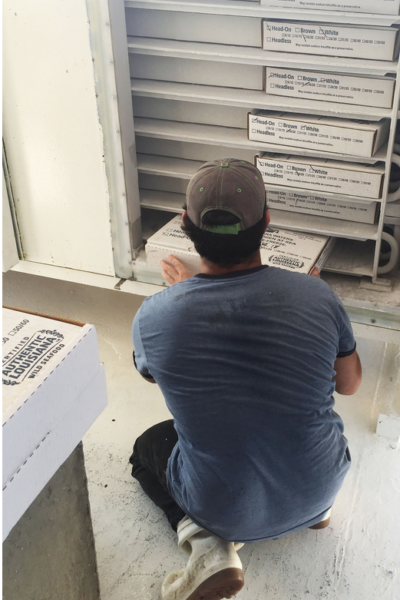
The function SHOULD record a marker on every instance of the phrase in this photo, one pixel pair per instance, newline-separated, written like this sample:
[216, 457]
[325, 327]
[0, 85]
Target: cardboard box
[378, 7]
[170, 239]
[374, 43]
[381, 7]
[53, 390]
[345, 136]
[294, 250]
[349, 179]
[322, 206]
[291, 250]
[331, 87]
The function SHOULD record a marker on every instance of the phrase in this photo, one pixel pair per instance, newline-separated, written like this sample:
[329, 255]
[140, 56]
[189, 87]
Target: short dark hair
[225, 250]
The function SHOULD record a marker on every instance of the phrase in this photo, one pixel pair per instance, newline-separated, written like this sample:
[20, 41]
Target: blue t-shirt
[245, 363]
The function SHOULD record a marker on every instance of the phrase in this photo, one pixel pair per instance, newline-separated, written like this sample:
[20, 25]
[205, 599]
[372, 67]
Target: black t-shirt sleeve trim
[348, 353]
[147, 376]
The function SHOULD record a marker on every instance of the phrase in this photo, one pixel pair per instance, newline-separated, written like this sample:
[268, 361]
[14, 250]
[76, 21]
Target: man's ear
[184, 217]
[267, 219]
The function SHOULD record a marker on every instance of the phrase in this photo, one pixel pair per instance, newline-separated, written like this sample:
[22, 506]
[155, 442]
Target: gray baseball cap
[232, 185]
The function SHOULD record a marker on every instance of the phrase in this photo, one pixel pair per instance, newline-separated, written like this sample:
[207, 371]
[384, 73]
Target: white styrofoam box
[49, 366]
[202, 72]
[189, 112]
[195, 27]
[349, 179]
[322, 206]
[375, 43]
[332, 87]
[190, 259]
[388, 427]
[381, 7]
[170, 239]
[51, 452]
[294, 250]
[345, 136]
[191, 151]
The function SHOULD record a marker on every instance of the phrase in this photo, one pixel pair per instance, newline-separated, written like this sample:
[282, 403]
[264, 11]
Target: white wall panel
[53, 137]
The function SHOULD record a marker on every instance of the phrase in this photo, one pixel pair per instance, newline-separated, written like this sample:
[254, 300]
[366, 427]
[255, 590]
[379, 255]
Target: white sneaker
[324, 522]
[214, 570]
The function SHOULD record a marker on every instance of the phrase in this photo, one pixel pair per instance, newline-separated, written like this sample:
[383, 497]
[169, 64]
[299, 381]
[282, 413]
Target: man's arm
[348, 374]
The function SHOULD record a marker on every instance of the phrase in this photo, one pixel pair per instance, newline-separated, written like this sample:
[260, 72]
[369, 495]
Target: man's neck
[210, 268]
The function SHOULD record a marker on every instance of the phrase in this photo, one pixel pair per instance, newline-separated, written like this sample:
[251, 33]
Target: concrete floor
[356, 558]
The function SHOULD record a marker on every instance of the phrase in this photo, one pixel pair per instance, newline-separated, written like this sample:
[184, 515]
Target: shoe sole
[224, 584]
[321, 524]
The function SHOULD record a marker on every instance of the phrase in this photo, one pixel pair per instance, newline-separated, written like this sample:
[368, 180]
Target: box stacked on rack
[322, 206]
[374, 43]
[344, 136]
[382, 7]
[292, 250]
[170, 239]
[331, 87]
[349, 179]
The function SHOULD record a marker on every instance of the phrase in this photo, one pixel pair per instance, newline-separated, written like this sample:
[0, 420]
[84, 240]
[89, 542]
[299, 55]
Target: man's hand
[173, 270]
[315, 273]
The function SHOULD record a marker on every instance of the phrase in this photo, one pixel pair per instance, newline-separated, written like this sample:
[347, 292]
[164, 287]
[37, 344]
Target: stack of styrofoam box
[342, 136]
[362, 138]
[314, 132]
[53, 390]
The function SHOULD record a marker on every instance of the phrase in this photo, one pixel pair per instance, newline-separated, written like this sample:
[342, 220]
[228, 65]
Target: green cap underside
[232, 229]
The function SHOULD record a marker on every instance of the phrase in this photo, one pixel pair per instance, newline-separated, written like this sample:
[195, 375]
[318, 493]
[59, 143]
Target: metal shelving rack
[170, 146]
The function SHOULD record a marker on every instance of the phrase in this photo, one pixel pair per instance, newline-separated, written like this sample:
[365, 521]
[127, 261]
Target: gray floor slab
[356, 558]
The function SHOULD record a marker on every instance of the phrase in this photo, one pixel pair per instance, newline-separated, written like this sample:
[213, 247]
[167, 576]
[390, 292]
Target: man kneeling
[247, 358]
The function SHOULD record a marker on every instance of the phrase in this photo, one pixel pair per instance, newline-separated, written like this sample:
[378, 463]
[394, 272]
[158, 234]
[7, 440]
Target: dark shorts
[149, 465]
